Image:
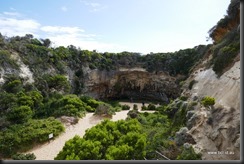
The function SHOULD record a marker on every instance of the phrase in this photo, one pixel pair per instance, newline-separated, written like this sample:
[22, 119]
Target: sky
[141, 26]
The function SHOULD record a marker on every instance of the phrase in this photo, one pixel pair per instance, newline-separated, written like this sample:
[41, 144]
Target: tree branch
[162, 155]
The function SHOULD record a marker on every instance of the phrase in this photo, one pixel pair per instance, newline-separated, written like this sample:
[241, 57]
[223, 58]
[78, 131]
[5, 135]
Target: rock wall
[216, 130]
[133, 83]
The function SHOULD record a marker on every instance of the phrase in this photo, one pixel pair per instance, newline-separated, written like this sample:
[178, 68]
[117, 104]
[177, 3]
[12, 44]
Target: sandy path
[49, 151]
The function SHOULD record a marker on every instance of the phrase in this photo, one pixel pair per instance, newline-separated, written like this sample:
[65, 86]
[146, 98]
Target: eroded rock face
[218, 139]
[136, 84]
[182, 137]
[216, 130]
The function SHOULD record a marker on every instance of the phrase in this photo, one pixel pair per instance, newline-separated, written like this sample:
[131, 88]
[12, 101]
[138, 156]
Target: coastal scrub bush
[104, 110]
[208, 101]
[188, 153]
[135, 107]
[22, 137]
[59, 82]
[69, 105]
[19, 114]
[125, 107]
[20, 156]
[151, 107]
[144, 108]
[120, 140]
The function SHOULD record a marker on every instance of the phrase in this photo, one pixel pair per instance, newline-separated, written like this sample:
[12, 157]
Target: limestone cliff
[217, 130]
[130, 83]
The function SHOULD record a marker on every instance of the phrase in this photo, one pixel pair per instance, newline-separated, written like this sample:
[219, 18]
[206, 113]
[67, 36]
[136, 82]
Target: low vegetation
[21, 137]
[28, 156]
[107, 140]
[208, 101]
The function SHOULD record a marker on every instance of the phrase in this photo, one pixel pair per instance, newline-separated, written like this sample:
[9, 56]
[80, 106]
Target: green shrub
[133, 113]
[144, 108]
[135, 107]
[6, 60]
[19, 156]
[120, 140]
[13, 86]
[22, 137]
[90, 109]
[225, 51]
[208, 101]
[189, 154]
[125, 107]
[151, 107]
[93, 103]
[20, 114]
[90, 102]
[116, 109]
[59, 82]
[70, 105]
[104, 110]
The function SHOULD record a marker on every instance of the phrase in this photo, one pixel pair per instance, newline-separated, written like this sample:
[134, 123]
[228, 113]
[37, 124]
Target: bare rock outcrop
[135, 83]
[216, 130]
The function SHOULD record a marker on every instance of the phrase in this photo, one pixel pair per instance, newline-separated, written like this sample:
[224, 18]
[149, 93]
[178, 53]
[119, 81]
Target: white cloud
[66, 40]
[94, 7]
[13, 26]
[12, 14]
[60, 29]
[59, 35]
[64, 8]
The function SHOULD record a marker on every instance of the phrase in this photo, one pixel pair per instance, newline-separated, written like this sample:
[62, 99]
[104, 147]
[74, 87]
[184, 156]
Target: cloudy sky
[142, 26]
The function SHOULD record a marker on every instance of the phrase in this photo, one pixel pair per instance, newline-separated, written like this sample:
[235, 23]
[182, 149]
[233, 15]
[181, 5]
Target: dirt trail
[50, 150]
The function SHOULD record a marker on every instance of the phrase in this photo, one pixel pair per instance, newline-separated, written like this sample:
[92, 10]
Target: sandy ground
[50, 150]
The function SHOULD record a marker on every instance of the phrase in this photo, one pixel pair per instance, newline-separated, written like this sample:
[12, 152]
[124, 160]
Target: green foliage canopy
[108, 140]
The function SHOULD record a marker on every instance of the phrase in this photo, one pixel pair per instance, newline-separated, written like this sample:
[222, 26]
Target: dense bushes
[21, 137]
[69, 105]
[188, 153]
[226, 35]
[49, 84]
[121, 140]
[20, 114]
[157, 128]
[6, 60]
[29, 156]
[59, 82]
[225, 57]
